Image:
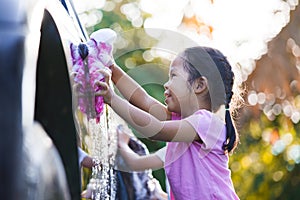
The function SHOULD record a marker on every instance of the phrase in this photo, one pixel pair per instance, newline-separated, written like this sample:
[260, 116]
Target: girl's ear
[200, 85]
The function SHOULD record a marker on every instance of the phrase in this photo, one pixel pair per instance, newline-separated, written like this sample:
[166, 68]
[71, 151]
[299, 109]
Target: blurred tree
[266, 163]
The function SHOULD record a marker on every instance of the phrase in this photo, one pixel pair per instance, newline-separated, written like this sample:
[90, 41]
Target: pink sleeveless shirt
[200, 171]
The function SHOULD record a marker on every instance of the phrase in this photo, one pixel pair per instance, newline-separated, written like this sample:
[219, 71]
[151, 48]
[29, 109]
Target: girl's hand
[123, 137]
[88, 162]
[106, 91]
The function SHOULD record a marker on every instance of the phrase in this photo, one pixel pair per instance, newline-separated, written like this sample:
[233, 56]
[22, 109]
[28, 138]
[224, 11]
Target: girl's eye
[172, 75]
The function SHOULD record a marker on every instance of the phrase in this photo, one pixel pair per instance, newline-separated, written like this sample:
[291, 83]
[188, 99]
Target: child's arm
[140, 163]
[136, 95]
[146, 124]
[134, 161]
[151, 127]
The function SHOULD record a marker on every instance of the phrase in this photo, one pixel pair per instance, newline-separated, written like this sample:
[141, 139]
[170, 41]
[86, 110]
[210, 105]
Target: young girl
[196, 121]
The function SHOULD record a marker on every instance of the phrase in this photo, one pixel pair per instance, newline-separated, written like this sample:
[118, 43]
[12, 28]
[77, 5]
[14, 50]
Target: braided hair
[211, 63]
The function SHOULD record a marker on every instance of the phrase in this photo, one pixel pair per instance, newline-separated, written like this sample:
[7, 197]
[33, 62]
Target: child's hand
[88, 162]
[106, 91]
[123, 137]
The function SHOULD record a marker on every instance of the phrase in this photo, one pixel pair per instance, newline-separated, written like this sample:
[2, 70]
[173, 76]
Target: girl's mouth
[167, 96]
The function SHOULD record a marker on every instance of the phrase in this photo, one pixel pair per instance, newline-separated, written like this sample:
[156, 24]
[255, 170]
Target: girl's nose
[166, 85]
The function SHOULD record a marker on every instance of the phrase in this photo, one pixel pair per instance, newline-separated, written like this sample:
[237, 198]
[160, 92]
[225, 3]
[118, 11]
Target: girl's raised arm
[136, 95]
[147, 125]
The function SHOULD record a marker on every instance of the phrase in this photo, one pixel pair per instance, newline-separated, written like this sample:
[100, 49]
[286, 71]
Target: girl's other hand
[106, 91]
[88, 162]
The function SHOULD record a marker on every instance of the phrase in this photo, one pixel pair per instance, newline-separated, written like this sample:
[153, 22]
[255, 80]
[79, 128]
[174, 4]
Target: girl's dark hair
[198, 61]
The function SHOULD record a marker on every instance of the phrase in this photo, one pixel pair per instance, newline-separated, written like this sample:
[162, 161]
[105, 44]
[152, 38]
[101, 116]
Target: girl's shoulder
[203, 112]
[206, 114]
[200, 118]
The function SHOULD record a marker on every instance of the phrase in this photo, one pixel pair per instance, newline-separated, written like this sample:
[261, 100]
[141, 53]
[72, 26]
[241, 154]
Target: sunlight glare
[241, 29]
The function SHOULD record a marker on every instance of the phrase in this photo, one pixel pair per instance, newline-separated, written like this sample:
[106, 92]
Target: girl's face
[178, 91]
